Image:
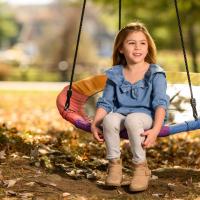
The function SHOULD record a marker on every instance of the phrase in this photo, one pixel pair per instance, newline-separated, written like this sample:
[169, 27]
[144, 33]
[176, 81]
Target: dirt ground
[20, 180]
[45, 158]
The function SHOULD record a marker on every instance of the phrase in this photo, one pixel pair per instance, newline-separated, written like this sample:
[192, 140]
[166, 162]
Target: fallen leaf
[10, 183]
[66, 194]
[91, 176]
[11, 193]
[171, 184]
[1, 176]
[2, 155]
[30, 183]
[43, 151]
[119, 191]
[153, 177]
[178, 199]
[26, 195]
[100, 183]
[157, 195]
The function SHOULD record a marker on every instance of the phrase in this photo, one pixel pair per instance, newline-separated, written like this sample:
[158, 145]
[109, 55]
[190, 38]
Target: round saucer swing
[71, 100]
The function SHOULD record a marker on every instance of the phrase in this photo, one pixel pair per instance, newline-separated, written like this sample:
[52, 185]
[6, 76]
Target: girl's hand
[97, 133]
[150, 140]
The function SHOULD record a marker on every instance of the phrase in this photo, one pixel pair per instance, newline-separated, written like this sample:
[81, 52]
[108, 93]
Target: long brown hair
[119, 58]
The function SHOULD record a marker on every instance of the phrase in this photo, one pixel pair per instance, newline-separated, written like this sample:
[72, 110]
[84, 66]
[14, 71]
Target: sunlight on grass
[174, 77]
[31, 111]
[174, 60]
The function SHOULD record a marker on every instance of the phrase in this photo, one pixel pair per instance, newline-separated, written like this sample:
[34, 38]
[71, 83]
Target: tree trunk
[193, 47]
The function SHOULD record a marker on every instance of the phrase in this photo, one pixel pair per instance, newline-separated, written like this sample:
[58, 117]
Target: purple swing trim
[165, 131]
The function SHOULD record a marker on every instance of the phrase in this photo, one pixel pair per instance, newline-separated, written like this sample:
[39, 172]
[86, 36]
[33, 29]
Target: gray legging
[135, 124]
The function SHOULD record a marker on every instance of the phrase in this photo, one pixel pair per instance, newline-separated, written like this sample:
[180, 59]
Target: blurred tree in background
[63, 52]
[9, 28]
[42, 38]
[47, 40]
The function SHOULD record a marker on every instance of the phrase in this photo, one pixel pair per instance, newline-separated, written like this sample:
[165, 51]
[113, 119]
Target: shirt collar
[115, 74]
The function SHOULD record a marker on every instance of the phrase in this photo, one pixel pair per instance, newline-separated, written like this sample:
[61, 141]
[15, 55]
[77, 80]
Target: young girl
[134, 98]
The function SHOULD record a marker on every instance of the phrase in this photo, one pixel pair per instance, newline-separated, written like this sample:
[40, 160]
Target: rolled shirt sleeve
[160, 98]
[107, 100]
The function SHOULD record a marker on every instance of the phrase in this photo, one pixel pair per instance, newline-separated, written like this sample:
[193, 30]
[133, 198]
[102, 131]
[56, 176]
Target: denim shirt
[144, 96]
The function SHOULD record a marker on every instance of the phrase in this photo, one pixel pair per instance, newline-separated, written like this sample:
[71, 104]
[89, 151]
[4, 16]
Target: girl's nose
[136, 46]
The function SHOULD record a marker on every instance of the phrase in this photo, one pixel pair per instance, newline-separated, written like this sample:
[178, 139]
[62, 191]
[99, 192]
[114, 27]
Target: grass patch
[32, 74]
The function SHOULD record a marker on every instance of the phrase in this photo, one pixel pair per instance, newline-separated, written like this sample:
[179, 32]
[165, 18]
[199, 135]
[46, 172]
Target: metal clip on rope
[67, 103]
[193, 104]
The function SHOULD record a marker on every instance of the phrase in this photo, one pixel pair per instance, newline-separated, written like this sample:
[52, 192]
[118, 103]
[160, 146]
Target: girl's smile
[137, 54]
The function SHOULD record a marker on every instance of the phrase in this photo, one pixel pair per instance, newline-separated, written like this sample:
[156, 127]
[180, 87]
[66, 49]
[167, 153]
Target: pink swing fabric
[75, 112]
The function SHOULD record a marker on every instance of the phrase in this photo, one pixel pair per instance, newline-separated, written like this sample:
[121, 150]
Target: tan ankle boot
[141, 177]
[114, 177]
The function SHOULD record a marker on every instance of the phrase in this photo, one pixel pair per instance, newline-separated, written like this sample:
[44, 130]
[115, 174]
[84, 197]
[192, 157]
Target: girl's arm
[96, 131]
[159, 119]
[159, 104]
[151, 134]
[98, 118]
[104, 106]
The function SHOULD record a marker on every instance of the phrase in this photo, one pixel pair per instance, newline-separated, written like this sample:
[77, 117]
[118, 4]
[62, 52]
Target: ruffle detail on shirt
[152, 71]
[126, 87]
[115, 74]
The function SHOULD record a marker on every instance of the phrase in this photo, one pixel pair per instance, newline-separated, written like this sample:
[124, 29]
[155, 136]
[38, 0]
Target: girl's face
[135, 47]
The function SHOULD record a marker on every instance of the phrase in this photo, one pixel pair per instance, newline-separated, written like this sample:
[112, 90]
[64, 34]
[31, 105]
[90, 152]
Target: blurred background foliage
[37, 42]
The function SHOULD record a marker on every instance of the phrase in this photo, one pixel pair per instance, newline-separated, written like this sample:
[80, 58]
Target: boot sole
[138, 189]
[113, 185]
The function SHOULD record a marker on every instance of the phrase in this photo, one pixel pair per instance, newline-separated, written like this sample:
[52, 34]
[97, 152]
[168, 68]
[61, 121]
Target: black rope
[192, 100]
[69, 92]
[120, 11]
